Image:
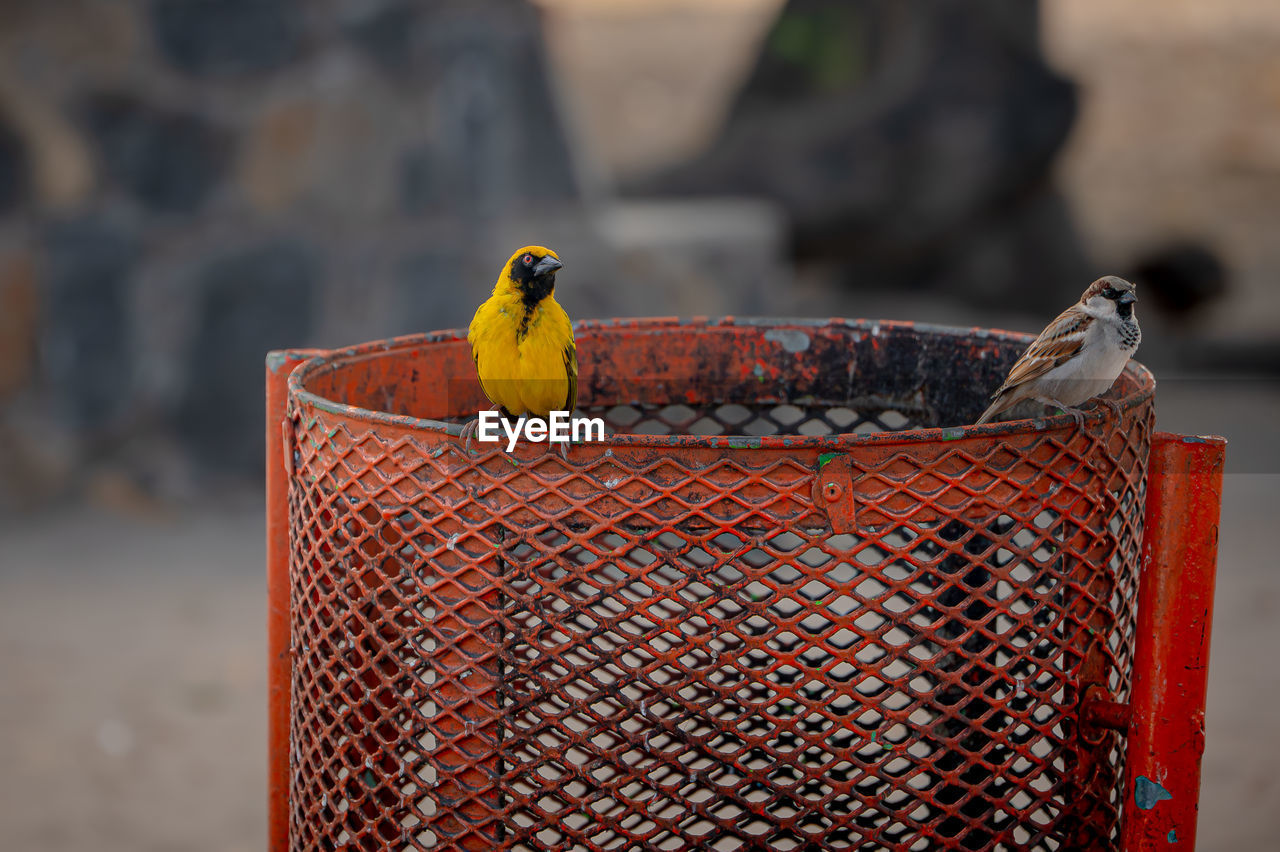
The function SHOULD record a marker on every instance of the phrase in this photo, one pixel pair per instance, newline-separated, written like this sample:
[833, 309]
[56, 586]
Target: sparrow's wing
[1058, 343]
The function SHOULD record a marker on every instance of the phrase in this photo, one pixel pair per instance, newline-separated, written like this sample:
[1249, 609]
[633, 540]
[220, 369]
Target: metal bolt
[832, 491]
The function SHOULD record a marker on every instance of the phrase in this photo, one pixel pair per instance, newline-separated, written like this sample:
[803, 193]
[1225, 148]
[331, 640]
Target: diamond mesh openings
[667, 647]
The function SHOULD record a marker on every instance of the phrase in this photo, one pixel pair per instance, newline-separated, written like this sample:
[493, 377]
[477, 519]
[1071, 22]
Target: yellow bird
[522, 340]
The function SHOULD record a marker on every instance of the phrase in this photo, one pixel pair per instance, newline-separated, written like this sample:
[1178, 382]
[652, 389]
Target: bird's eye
[1111, 293]
[527, 260]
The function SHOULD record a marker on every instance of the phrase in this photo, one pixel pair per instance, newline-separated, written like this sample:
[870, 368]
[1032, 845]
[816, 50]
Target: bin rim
[334, 359]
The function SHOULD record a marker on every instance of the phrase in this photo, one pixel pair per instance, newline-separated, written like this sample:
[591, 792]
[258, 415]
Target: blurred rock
[251, 301]
[384, 32]
[273, 168]
[18, 321]
[168, 160]
[233, 176]
[428, 295]
[116, 488]
[45, 145]
[1181, 278]
[330, 154]
[422, 181]
[227, 37]
[902, 139]
[38, 457]
[13, 168]
[498, 139]
[87, 333]
[704, 257]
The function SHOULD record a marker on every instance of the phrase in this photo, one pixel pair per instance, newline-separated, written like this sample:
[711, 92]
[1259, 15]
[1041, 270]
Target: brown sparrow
[1079, 355]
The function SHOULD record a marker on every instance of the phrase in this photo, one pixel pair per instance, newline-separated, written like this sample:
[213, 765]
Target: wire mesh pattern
[665, 644]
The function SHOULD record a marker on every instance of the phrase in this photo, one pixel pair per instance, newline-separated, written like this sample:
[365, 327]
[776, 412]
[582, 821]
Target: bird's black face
[535, 276]
[1124, 297]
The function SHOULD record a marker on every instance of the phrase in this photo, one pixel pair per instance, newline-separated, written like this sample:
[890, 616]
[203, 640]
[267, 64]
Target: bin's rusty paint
[1179, 563]
[683, 636]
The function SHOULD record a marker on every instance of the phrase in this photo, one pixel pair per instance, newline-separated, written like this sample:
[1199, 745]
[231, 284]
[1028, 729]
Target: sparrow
[1079, 355]
[522, 341]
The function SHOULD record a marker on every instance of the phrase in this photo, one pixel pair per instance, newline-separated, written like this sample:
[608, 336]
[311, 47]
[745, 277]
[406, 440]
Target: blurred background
[185, 184]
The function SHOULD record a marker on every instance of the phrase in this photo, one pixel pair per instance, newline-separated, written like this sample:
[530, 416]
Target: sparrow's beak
[1128, 297]
[546, 266]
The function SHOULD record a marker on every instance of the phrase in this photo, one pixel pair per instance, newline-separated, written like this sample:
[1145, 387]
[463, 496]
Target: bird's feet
[1076, 414]
[469, 429]
[1111, 405]
[467, 432]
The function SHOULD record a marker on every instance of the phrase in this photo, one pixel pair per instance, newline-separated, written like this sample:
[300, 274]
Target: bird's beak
[547, 265]
[1128, 297]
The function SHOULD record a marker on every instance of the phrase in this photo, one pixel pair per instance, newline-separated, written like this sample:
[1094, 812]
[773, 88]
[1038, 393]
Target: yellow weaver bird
[522, 341]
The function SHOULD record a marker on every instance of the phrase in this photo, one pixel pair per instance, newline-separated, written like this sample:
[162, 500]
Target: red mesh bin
[787, 603]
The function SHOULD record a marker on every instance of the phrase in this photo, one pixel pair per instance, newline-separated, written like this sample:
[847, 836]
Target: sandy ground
[132, 700]
[133, 695]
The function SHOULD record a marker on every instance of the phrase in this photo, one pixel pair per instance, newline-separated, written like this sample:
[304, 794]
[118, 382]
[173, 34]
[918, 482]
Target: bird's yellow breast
[520, 354]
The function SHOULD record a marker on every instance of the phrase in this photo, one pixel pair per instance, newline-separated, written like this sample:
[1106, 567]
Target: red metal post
[1171, 665]
[279, 365]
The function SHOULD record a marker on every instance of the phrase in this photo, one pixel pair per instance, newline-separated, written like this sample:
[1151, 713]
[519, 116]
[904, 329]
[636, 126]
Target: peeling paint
[1173, 835]
[1147, 793]
[768, 321]
[277, 359]
[953, 433]
[792, 340]
[825, 459]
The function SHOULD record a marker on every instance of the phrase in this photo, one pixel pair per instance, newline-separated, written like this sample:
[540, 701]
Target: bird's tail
[992, 410]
